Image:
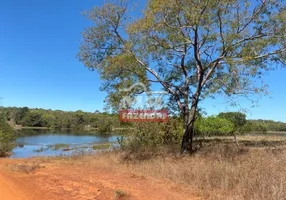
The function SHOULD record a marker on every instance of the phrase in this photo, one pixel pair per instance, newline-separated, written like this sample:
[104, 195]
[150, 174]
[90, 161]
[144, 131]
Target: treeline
[222, 124]
[58, 119]
[143, 134]
[266, 125]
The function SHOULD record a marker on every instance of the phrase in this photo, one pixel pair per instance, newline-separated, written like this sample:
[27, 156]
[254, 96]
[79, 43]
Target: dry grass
[26, 168]
[120, 195]
[101, 146]
[216, 172]
[220, 172]
[224, 172]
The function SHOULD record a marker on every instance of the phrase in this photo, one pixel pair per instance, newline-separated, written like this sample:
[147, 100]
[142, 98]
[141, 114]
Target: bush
[154, 136]
[215, 126]
[7, 137]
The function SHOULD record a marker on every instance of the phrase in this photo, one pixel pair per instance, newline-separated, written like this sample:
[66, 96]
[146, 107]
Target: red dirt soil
[64, 180]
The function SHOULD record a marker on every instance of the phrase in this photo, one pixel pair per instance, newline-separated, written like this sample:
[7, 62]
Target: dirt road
[10, 191]
[67, 180]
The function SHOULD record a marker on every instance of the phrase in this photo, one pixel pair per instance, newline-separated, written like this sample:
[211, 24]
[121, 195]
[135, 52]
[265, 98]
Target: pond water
[32, 143]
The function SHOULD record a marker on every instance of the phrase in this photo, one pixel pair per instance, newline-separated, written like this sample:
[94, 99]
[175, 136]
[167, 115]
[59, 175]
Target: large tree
[192, 48]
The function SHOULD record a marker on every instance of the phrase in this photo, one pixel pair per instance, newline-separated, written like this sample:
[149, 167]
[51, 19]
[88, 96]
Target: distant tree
[20, 114]
[214, 125]
[7, 113]
[48, 120]
[63, 119]
[80, 119]
[258, 126]
[32, 118]
[237, 118]
[193, 49]
[105, 127]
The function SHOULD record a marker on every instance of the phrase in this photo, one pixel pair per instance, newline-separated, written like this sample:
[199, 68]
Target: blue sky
[272, 106]
[38, 68]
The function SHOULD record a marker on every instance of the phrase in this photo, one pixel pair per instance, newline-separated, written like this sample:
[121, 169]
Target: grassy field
[219, 170]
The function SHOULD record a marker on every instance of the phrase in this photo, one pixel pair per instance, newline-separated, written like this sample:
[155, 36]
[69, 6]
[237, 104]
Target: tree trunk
[235, 139]
[189, 125]
[187, 142]
[190, 118]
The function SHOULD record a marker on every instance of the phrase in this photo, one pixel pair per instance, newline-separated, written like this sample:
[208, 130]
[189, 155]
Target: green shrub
[7, 137]
[238, 119]
[153, 135]
[215, 126]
